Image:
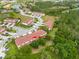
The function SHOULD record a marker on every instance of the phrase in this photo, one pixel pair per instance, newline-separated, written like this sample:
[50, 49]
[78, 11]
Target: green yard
[17, 15]
[12, 50]
[13, 15]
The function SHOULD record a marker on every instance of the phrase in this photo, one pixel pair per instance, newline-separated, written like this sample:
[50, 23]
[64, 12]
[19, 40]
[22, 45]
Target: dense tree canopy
[67, 34]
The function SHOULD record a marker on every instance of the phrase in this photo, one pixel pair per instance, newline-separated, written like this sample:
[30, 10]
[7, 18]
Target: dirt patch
[45, 18]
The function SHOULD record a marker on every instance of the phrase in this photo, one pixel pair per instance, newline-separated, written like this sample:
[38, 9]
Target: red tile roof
[28, 22]
[49, 24]
[29, 38]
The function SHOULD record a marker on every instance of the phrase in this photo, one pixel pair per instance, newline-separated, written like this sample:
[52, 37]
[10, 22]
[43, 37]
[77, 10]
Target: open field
[49, 17]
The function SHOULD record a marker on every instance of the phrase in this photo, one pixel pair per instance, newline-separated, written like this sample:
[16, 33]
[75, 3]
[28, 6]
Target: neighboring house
[27, 39]
[2, 50]
[10, 22]
[49, 21]
[16, 7]
[28, 22]
[26, 11]
[1, 44]
[49, 24]
[5, 10]
[2, 30]
[8, 1]
[7, 6]
[37, 14]
[2, 55]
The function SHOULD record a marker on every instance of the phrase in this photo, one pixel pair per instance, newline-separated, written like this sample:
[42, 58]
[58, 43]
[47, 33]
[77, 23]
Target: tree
[66, 36]
[51, 34]
[25, 50]
[41, 41]
[45, 55]
[66, 48]
[35, 44]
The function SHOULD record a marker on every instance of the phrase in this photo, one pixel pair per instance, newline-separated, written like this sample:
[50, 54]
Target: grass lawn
[12, 49]
[23, 26]
[77, 56]
[13, 15]
[3, 16]
[11, 30]
[36, 20]
[17, 15]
